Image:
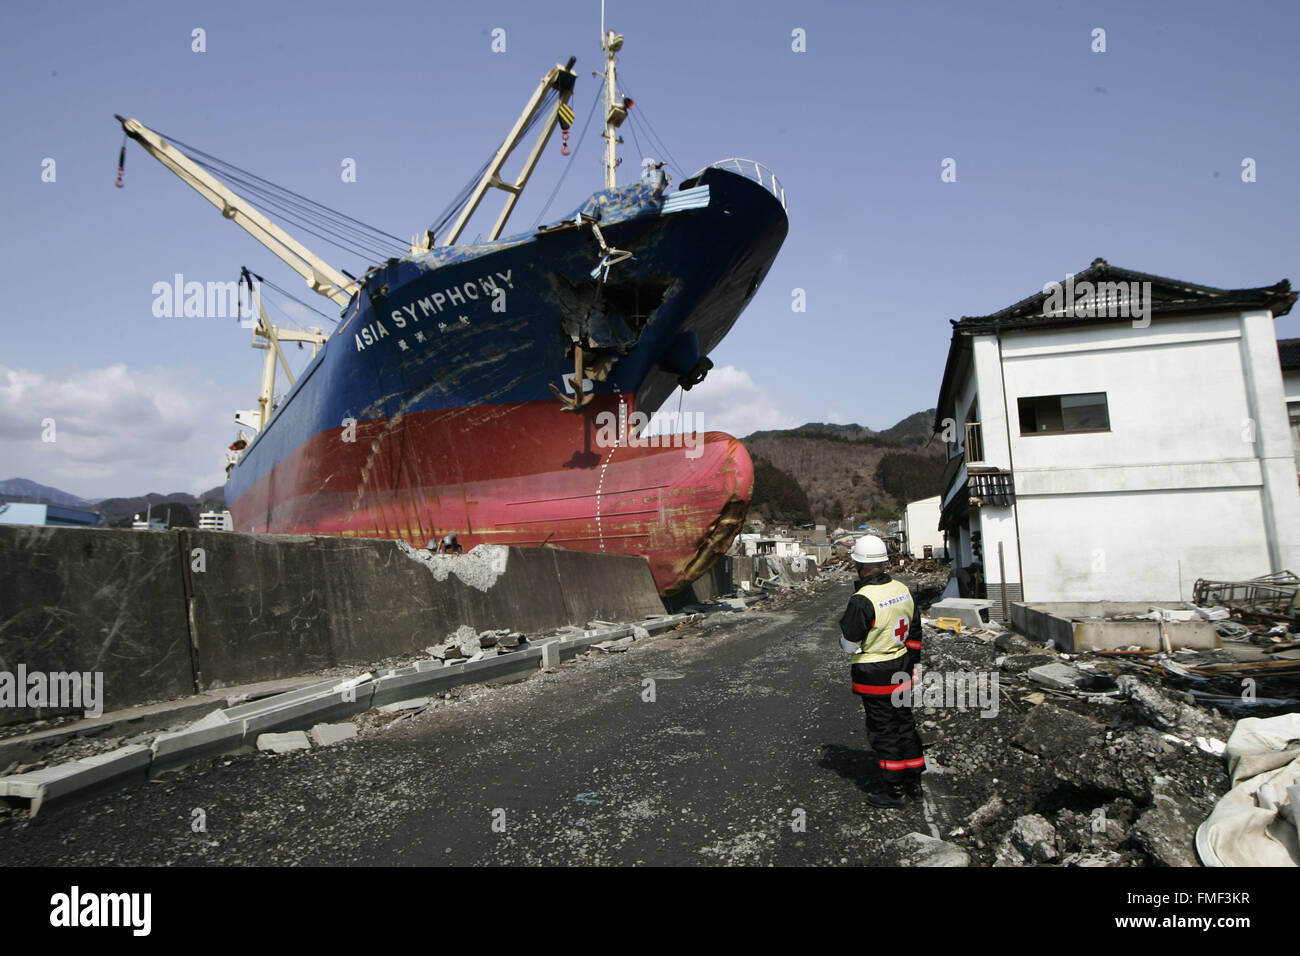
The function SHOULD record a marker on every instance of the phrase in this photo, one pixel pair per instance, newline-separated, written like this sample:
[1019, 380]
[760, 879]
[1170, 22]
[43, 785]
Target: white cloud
[731, 401]
[116, 430]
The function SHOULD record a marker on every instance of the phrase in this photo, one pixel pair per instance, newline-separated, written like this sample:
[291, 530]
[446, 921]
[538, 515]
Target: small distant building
[216, 521]
[148, 523]
[752, 545]
[17, 512]
[920, 529]
[1100, 448]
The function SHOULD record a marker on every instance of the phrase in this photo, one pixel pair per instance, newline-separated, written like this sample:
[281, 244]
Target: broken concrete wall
[1041, 625]
[94, 600]
[742, 571]
[262, 607]
[1088, 625]
[719, 581]
[266, 609]
[606, 587]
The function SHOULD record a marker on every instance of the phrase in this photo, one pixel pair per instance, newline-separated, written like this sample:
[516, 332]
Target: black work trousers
[891, 726]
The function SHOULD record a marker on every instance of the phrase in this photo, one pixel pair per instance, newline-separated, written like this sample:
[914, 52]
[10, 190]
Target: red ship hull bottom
[523, 474]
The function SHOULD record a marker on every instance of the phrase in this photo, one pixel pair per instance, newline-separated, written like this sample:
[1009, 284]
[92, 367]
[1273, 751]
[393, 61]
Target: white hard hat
[869, 549]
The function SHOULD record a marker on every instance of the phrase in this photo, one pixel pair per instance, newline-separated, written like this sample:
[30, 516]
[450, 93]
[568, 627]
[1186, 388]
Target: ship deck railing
[752, 169]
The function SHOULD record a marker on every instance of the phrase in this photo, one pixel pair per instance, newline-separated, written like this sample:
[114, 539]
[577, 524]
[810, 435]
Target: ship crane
[560, 79]
[320, 275]
[268, 336]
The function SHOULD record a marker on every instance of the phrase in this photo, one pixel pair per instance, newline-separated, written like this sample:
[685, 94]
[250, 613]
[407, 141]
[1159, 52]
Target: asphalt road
[747, 748]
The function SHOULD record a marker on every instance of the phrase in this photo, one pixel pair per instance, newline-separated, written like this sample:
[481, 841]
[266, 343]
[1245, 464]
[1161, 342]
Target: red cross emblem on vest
[900, 632]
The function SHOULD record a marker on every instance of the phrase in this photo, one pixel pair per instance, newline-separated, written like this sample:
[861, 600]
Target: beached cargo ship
[494, 390]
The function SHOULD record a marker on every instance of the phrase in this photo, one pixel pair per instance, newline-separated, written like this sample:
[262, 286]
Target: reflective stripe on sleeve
[879, 689]
[911, 763]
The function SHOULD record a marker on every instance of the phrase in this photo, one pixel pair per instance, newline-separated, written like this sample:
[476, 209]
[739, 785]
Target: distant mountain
[119, 511]
[913, 430]
[777, 495]
[16, 489]
[184, 513]
[847, 469]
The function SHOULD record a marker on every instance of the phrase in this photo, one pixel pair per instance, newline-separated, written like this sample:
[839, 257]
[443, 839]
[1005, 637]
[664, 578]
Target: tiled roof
[1167, 296]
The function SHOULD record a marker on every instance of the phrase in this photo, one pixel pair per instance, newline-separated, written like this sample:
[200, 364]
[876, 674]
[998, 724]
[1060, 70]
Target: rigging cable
[332, 320]
[458, 203]
[641, 154]
[569, 165]
[650, 132]
[332, 226]
[209, 159]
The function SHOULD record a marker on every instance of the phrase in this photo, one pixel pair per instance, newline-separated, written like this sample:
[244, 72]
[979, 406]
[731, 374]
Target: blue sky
[1062, 154]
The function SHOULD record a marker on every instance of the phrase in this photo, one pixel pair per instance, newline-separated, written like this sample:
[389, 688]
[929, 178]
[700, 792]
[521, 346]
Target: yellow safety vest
[895, 618]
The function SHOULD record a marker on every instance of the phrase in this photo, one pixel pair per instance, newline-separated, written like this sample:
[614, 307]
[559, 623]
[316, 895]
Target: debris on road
[284, 743]
[1257, 823]
[323, 735]
[1107, 758]
[920, 849]
[401, 706]
[1269, 598]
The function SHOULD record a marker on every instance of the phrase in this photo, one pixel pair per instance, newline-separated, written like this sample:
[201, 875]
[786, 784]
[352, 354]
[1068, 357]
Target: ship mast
[272, 336]
[615, 111]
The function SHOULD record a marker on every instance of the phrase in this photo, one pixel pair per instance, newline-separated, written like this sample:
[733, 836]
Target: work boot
[889, 796]
[912, 787]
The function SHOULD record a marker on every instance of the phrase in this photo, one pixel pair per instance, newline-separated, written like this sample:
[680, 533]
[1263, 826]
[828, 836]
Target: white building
[1105, 449]
[920, 526]
[778, 547]
[1288, 352]
[216, 521]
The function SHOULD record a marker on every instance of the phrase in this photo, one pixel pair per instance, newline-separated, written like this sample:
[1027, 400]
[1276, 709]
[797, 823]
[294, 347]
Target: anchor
[579, 399]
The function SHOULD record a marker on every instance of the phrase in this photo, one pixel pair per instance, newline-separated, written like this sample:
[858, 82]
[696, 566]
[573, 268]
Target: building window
[1083, 412]
[974, 442]
[1293, 411]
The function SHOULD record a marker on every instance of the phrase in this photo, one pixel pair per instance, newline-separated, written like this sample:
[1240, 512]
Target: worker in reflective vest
[882, 633]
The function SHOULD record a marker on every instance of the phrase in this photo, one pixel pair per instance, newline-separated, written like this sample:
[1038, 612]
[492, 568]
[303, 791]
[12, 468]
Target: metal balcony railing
[752, 169]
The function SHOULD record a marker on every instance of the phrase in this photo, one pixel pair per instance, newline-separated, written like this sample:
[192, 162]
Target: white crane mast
[615, 111]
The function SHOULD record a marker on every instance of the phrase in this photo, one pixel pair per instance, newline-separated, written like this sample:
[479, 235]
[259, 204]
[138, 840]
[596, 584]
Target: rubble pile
[466, 644]
[776, 598]
[1237, 688]
[475, 645]
[927, 585]
[1085, 762]
[918, 565]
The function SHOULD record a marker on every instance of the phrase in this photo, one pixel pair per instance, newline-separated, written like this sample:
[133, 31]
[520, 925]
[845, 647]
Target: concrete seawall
[163, 614]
